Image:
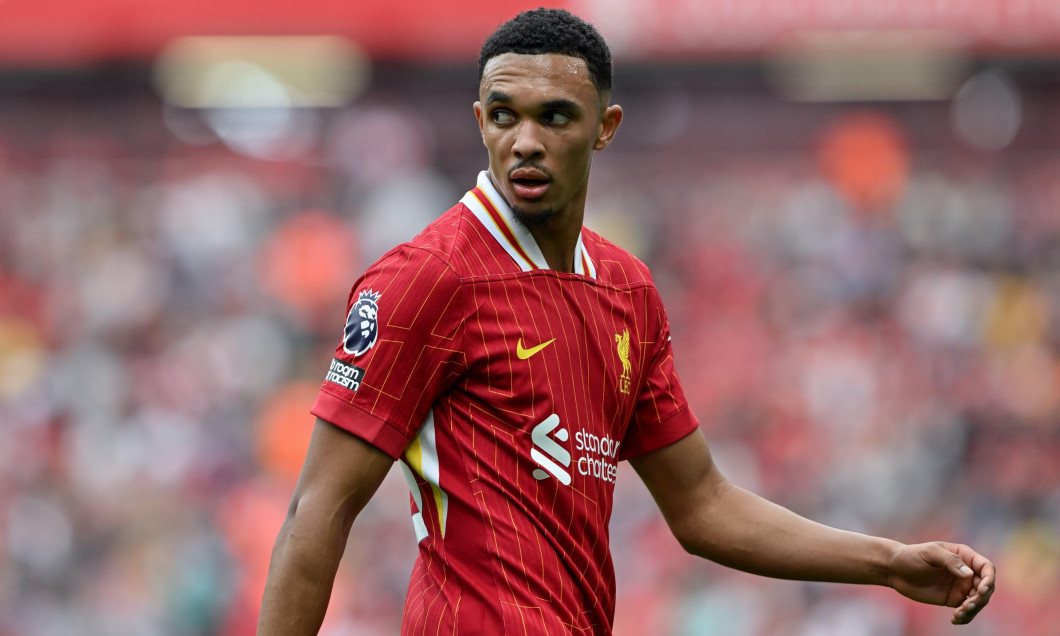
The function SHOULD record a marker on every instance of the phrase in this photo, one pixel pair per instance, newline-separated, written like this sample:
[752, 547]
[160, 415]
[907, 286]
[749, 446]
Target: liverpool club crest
[622, 344]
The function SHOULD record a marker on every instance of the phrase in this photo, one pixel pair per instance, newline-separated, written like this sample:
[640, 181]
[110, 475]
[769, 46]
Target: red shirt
[509, 392]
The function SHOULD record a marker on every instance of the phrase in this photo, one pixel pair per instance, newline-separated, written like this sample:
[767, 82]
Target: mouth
[529, 186]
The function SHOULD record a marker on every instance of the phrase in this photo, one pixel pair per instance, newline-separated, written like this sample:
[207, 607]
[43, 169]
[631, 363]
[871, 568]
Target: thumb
[954, 563]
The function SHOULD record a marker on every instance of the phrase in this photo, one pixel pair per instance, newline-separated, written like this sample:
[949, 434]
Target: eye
[557, 118]
[501, 116]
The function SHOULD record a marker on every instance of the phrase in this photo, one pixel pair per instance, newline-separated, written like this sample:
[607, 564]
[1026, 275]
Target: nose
[528, 143]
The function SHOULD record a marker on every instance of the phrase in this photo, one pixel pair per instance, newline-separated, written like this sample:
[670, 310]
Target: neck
[558, 239]
[557, 236]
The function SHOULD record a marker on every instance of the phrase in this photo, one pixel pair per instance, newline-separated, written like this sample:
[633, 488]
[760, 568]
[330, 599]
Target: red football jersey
[509, 392]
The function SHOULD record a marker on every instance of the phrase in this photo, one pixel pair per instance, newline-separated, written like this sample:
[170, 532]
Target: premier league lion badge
[362, 327]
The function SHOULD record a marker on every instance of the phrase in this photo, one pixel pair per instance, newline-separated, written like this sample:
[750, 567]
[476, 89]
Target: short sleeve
[661, 416]
[401, 349]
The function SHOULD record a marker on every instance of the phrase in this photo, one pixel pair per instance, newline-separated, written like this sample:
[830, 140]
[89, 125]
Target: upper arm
[402, 348]
[683, 480]
[340, 474]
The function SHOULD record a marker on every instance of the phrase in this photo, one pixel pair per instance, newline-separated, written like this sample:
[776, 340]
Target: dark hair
[542, 31]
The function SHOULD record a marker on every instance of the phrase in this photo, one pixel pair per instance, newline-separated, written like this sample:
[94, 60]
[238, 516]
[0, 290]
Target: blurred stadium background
[852, 209]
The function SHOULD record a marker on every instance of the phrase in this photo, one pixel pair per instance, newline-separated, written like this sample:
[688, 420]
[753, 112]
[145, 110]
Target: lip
[528, 173]
[529, 191]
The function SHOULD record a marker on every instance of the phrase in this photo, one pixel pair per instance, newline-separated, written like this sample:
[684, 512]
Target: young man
[509, 358]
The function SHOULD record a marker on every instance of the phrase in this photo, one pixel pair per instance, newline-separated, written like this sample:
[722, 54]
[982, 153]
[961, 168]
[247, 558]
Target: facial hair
[539, 218]
[530, 219]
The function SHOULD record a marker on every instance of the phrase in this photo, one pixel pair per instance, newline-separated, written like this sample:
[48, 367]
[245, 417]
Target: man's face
[541, 118]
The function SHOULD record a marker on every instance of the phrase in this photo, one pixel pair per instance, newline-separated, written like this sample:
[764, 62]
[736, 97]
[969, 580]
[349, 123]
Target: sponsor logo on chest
[559, 454]
[594, 456]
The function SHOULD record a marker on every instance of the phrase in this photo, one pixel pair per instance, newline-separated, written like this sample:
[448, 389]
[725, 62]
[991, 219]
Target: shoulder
[442, 237]
[455, 239]
[434, 247]
[421, 269]
[616, 265]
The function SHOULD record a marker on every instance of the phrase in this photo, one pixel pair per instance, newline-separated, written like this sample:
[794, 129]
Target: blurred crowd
[865, 312]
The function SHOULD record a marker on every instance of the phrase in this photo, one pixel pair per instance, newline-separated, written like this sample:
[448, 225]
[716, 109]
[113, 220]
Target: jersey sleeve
[401, 348]
[661, 416]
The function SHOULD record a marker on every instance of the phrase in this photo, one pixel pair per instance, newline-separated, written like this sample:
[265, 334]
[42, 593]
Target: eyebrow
[562, 104]
[497, 96]
[553, 104]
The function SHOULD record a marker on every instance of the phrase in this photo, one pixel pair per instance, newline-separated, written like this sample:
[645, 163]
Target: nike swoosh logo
[526, 353]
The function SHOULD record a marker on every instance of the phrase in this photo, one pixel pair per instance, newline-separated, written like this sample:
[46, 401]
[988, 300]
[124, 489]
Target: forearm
[301, 574]
[340, 474]
[739, 529]
[724, 523]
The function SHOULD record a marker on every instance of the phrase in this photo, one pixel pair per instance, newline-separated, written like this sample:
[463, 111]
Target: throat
[558, 252]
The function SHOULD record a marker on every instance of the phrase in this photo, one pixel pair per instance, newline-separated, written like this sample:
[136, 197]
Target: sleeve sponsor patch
[345, 375]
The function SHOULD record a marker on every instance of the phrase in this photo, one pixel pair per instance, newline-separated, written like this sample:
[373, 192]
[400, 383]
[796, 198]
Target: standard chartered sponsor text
[597, 455]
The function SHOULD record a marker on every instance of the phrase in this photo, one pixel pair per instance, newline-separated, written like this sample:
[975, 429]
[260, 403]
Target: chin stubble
[538, 218]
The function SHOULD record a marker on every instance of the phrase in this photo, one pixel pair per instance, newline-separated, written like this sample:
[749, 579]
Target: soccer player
[508, 358]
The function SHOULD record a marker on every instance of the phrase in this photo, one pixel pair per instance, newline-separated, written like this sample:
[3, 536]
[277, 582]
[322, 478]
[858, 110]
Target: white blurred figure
[987, 111]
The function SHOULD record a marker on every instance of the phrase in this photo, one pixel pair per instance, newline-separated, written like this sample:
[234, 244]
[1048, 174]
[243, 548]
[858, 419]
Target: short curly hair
[542, 31]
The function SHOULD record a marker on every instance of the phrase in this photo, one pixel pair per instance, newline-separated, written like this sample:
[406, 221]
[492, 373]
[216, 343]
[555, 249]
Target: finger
[988, 574]
[983, 583]
[959, 617]
[967, 612]
[983, 593]
[975, 601]
[976, 561]
[954, 563]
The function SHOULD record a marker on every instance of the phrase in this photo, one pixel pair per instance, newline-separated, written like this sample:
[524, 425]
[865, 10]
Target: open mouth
[530, 188]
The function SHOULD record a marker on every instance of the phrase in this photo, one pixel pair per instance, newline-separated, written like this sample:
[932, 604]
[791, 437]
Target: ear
[609, 123]
[478, 116]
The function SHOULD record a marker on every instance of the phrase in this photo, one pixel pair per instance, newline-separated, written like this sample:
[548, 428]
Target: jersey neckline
[490, 208]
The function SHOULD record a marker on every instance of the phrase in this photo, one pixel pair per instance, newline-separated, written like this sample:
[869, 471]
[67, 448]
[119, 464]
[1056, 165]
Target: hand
[944, 574]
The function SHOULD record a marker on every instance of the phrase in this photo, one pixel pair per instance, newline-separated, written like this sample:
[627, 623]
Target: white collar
[493, 212]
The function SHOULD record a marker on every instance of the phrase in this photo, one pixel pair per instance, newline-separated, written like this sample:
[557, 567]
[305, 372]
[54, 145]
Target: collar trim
[493, 212]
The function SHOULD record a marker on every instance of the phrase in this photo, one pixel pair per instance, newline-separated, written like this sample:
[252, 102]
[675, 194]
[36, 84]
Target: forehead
[548, 75]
